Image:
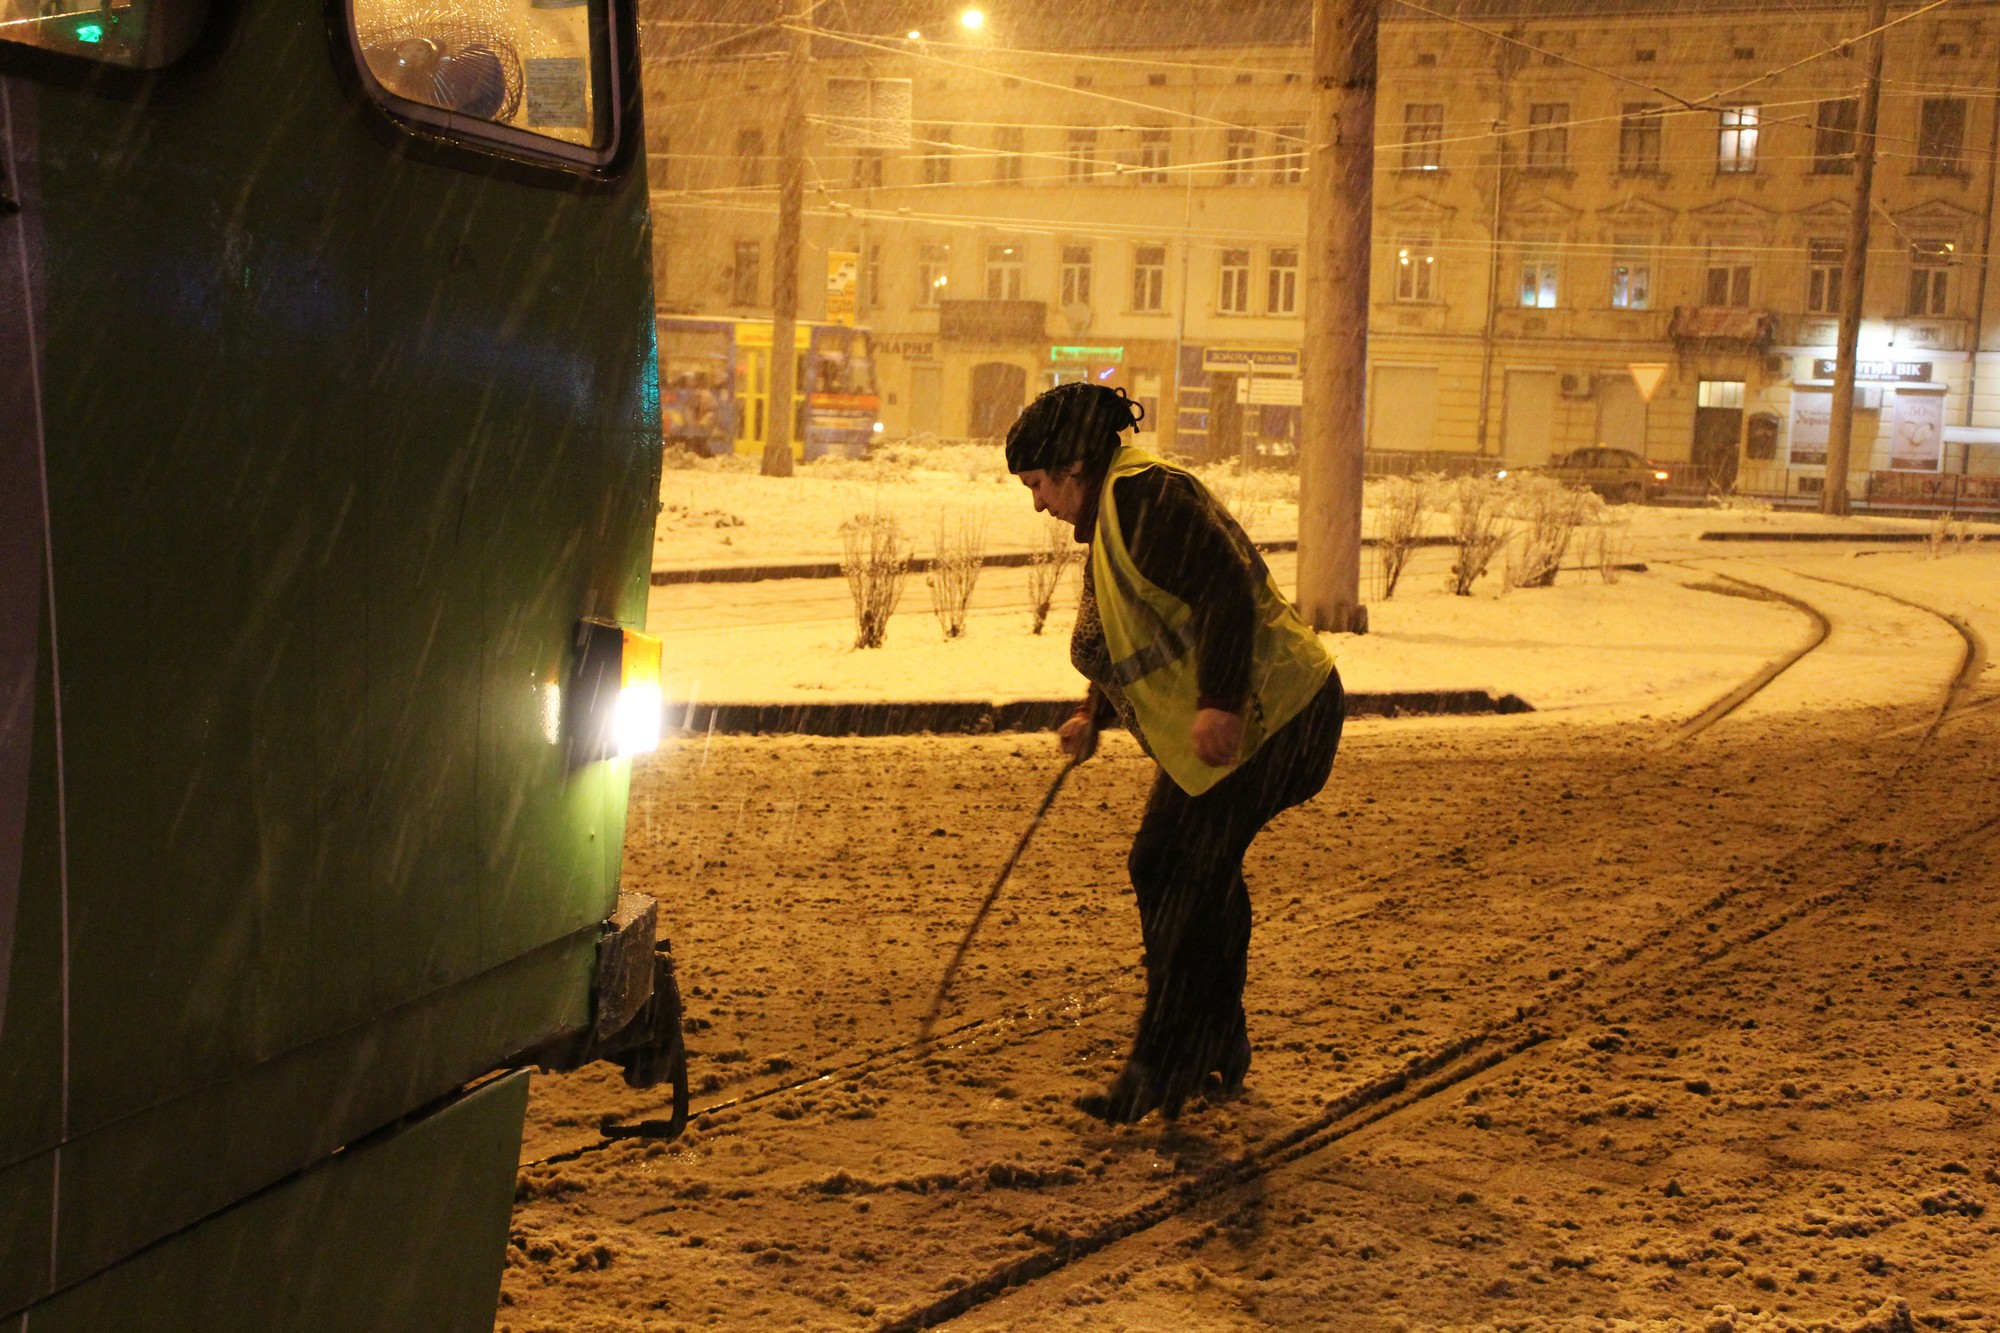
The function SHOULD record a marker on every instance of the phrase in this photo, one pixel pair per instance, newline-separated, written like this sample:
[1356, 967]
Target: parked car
[1619, 475]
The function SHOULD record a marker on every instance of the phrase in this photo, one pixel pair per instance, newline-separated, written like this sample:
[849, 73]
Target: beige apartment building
[1569, 212]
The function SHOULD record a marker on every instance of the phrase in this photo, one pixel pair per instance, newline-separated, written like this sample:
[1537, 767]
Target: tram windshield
[843, 362]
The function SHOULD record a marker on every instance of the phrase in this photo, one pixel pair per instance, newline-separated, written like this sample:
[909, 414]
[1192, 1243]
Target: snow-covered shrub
[875, 562]
[1549, 514]
[1945, 535]
[1475, 531]
[961, 554]
[1399, 521]
[1603, 544]
[1057, 552]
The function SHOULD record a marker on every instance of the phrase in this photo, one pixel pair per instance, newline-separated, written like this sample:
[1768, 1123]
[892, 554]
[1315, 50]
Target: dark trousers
[1194, 910]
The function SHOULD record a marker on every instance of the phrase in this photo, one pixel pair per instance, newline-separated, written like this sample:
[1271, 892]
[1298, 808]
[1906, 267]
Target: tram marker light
[614, 705]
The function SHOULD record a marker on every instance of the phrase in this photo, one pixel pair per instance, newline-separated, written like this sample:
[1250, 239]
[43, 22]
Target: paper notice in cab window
[556, 87]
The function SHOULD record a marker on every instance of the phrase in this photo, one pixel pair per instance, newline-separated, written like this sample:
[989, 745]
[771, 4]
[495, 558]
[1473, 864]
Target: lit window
[1736, 141]
[1632, 274]
[1539, 275]
[1416, 269]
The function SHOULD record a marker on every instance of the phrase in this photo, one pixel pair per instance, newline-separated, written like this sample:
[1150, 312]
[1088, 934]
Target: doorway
[1225, 419]
[926, 399]
[999, 392]
[1718, 432]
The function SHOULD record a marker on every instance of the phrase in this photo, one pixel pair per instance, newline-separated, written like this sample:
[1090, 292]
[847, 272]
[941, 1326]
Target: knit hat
[1071, 423]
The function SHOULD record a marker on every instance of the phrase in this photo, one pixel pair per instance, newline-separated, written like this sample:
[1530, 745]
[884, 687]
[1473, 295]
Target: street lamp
[972, 20]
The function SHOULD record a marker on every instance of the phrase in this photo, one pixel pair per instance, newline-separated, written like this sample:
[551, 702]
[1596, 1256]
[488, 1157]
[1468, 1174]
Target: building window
[1639, 139]
[1548, 136]
[1239, 149]
[1727, 280]
[871, 277]
[933, 261]
[1941, 137]
[1416, 269]
[1008, 141]
[1149, 277]
[936, 141]
[1281, 284]
[1833, 137]
[1423, 136]
[1075, 275]
[1736, 140]
[743, 278]
[1539, 274]
[750, 157]
[1080, 159]
[1004, 263]
[1632, 274]
[1232, 295]
[1155, 152]
[1930, 277]
[868, 169]
[1290, 164]
[1826, 261]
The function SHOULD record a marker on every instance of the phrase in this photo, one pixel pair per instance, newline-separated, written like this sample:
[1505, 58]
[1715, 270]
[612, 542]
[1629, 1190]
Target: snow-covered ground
[1560, 1025]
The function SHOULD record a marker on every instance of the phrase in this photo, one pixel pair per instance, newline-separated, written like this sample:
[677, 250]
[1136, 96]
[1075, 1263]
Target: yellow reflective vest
[1150, 634]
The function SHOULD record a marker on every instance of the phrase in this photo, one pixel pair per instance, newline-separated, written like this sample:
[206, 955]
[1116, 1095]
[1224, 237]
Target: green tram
[329, 452]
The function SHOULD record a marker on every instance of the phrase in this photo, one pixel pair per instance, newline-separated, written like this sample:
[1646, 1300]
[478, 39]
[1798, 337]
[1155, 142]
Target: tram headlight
[614, 705]
[876, 429]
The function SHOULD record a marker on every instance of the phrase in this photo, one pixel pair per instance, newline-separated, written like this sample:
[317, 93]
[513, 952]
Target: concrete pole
[1854, 276]
[785, 253]
[1340, 193]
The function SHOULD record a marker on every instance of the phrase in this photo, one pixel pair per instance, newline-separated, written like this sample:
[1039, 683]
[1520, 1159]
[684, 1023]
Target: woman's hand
[1218, 735]
[1078, 737]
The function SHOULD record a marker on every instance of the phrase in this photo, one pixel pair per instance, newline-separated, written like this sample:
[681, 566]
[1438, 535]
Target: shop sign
[1812, 420]
[1114, 356]
[1250, 360]
[916, 349]
[1898, 372]
[1275, 391]
[1916, 438]
[843, 282]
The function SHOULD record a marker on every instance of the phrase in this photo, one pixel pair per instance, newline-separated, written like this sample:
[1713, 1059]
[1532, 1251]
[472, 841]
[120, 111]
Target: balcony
[1723, 328]
[992, 321]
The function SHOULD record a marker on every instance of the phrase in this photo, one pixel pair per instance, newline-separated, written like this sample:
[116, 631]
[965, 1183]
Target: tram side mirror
[614, 706]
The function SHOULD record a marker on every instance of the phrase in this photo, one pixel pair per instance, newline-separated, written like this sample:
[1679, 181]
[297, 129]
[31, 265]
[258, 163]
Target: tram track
[903, 1054]
[1549, 1017]
[1725, 922]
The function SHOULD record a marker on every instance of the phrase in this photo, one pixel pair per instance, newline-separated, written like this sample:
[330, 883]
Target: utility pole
[785, 254]
[1854, 275]
[1340, 197]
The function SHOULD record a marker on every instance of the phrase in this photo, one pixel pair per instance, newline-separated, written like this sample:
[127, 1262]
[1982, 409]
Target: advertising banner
[843, 286]
[1812, 419]
[1916, 437]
